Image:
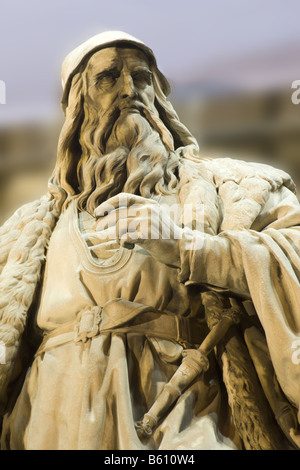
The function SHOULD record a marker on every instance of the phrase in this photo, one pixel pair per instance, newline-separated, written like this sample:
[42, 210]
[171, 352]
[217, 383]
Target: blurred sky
[188, 37]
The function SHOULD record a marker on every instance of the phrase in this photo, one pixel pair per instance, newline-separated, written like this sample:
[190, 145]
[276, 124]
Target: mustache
[110, 118]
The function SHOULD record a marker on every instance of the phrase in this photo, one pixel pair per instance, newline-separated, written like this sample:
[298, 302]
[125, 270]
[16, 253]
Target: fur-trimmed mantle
[233, 193]
[23, 242]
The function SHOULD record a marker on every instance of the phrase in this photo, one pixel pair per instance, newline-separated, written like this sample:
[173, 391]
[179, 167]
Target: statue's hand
[134, 220]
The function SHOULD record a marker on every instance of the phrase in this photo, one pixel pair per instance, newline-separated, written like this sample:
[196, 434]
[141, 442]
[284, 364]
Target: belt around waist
[122, 316]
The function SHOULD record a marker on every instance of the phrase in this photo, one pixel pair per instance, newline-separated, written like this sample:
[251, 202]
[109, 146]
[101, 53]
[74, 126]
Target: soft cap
[106, 39]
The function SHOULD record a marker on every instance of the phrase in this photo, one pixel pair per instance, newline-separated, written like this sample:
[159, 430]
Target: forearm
[264, 266]
[214, 260]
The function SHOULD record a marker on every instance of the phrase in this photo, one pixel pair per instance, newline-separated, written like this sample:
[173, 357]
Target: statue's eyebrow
[141, 68]
[109, 70]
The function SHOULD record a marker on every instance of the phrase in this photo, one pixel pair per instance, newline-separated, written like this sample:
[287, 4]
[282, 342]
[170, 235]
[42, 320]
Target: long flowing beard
[138, 158]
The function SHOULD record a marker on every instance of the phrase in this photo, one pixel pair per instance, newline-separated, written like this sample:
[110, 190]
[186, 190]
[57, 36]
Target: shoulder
[221, 170]
[243, 187]
[239, 171]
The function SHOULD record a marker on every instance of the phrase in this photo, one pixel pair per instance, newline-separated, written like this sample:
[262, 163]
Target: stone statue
[151, 299]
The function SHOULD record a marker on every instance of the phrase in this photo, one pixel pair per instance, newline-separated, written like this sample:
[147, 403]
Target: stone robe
[88, 394]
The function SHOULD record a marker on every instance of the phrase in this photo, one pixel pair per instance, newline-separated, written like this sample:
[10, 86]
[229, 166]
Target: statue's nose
[127, 88]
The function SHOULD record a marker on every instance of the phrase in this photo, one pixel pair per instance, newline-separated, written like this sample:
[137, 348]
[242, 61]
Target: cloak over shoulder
[243, 203]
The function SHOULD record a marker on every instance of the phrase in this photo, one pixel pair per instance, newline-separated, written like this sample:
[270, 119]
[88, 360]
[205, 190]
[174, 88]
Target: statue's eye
[106, 79]
[142, 77]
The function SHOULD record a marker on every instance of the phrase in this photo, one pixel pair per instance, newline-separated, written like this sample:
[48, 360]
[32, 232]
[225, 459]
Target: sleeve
[264, 266]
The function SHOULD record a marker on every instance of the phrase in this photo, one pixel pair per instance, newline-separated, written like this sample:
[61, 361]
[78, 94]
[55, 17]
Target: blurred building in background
[243, 109]
[27, 157]
[240, 108]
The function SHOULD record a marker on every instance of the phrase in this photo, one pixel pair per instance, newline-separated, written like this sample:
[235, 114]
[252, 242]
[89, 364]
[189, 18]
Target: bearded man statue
[100, 308]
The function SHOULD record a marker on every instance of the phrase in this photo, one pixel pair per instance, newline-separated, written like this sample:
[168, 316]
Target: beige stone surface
[146, 260]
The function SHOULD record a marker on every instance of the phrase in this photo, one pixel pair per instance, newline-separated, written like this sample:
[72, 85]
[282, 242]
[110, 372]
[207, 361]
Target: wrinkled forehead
[110, 57]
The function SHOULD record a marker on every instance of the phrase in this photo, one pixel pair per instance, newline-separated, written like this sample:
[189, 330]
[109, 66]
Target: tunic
[88, 395]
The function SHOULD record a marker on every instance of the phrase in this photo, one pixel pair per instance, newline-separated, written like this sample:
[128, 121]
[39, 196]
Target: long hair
[81, 151]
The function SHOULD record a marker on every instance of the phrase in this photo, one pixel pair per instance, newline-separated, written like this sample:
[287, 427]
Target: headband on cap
[109, 38]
